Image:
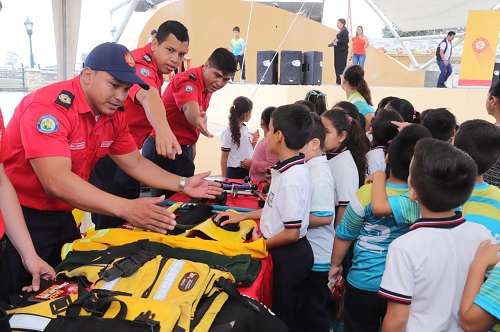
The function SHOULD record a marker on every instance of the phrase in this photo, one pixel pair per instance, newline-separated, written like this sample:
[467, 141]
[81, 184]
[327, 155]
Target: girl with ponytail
[236, 141]
[358, 92]
[346, 146]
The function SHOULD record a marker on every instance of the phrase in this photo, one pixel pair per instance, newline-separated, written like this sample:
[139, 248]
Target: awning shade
[431, 14]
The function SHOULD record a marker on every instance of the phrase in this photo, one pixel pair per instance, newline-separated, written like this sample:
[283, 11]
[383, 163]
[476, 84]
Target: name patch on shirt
[189, 88]
[47, 124]
[77, 146]
[270, 199]
[144, 72]
[106, 144]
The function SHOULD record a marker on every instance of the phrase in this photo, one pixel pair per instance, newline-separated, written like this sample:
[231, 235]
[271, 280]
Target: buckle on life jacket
[126, 266]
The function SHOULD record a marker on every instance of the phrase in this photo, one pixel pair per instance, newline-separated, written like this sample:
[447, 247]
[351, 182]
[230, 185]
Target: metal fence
[13, 78]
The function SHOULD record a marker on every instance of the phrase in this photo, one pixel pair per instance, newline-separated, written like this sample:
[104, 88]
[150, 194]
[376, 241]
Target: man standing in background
[443, 56]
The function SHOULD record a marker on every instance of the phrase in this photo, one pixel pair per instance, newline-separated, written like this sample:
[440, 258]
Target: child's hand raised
[487, 254]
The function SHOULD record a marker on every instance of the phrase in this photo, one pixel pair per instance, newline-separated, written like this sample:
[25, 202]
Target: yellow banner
[480, 45]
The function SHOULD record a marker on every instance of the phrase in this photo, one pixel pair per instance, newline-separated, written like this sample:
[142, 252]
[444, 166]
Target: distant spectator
[318, 98]
[358, 52]
[153, 36]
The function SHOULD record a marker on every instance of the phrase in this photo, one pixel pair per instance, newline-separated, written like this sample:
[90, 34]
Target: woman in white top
[236, 141]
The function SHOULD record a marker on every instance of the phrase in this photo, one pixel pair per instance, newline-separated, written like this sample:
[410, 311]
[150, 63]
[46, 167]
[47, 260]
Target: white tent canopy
[431, 14]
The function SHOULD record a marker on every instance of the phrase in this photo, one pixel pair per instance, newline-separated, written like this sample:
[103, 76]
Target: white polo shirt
[322, 200]
[345, 177]
[427, 269]
[288, 201]
[237, 154]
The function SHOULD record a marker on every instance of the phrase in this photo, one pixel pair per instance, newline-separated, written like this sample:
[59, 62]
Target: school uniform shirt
[483, 207]
[322, 204]
[357, 99]
[427, 268]
[147, 70]
[489, 294]
[5, 152]
[185, 87]
[237, 154]
[57, 121]
[376, 160]
[345, 177]
[372, 236]
[289, 198]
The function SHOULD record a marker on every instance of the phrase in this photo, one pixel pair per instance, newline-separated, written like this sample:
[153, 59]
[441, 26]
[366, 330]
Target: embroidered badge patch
[65, 99]
[144, 72]
[47, 124]
[147, 58]
[189, 88]
[188, 281]
[129, 59]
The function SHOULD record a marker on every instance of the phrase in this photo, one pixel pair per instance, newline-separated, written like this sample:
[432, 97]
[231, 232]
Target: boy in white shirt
[426, 268]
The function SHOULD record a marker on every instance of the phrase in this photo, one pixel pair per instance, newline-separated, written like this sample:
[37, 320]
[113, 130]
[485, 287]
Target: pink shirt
[261, 160]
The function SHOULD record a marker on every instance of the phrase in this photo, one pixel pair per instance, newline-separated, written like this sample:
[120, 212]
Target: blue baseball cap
[116, 60]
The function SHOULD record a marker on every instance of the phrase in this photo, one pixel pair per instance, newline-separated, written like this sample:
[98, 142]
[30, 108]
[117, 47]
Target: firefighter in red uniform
[186, 101]
[144, 111]
[58, 133]
[15, 227]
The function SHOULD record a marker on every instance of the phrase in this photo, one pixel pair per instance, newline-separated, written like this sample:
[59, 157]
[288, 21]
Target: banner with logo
[480, 48]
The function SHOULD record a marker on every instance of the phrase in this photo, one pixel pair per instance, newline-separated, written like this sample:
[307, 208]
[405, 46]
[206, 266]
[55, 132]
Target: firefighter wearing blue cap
[58, 133]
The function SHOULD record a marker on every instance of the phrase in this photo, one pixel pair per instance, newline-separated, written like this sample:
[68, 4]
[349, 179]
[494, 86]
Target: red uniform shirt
[57, 121]
[184, 87]
[146, 68]
[5, 152]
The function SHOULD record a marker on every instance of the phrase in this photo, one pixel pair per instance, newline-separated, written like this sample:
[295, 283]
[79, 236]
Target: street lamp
[113, 31]
[29, 30]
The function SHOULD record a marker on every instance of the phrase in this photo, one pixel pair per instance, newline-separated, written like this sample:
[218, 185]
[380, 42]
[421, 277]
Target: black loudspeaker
[496, 74]
[291, 67]
[313, 68]
[268, 66]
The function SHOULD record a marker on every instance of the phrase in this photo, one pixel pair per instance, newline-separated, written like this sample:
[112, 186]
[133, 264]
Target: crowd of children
[406, 239]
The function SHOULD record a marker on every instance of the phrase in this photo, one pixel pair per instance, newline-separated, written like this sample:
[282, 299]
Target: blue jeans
[359, 59]
[241, 61]
[445, 71]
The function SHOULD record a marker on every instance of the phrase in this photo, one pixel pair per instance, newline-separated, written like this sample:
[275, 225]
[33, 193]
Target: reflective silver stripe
[109, 285]
[168, 280]
[29, 322]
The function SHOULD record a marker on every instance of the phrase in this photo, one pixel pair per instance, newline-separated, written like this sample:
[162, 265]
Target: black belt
[3, 244]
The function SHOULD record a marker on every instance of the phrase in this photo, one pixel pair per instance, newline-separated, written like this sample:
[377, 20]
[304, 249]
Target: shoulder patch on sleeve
[193, 77]
[189, 88]
[144, 72]
[65, 99]
[47, 124]
[147, 57]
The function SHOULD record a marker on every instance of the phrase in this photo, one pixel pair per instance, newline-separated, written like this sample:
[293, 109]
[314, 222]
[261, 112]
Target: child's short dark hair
[442, 175]
[172, 27]
[440, 122]
[307, 104]
[224, 60]
[383, 131]
[401, 149]
[236, 29]
[295, 122]
[481, 140]
[266, 115]
[318, 130]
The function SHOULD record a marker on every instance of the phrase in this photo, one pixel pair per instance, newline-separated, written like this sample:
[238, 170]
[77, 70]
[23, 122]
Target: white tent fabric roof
[431, 14]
